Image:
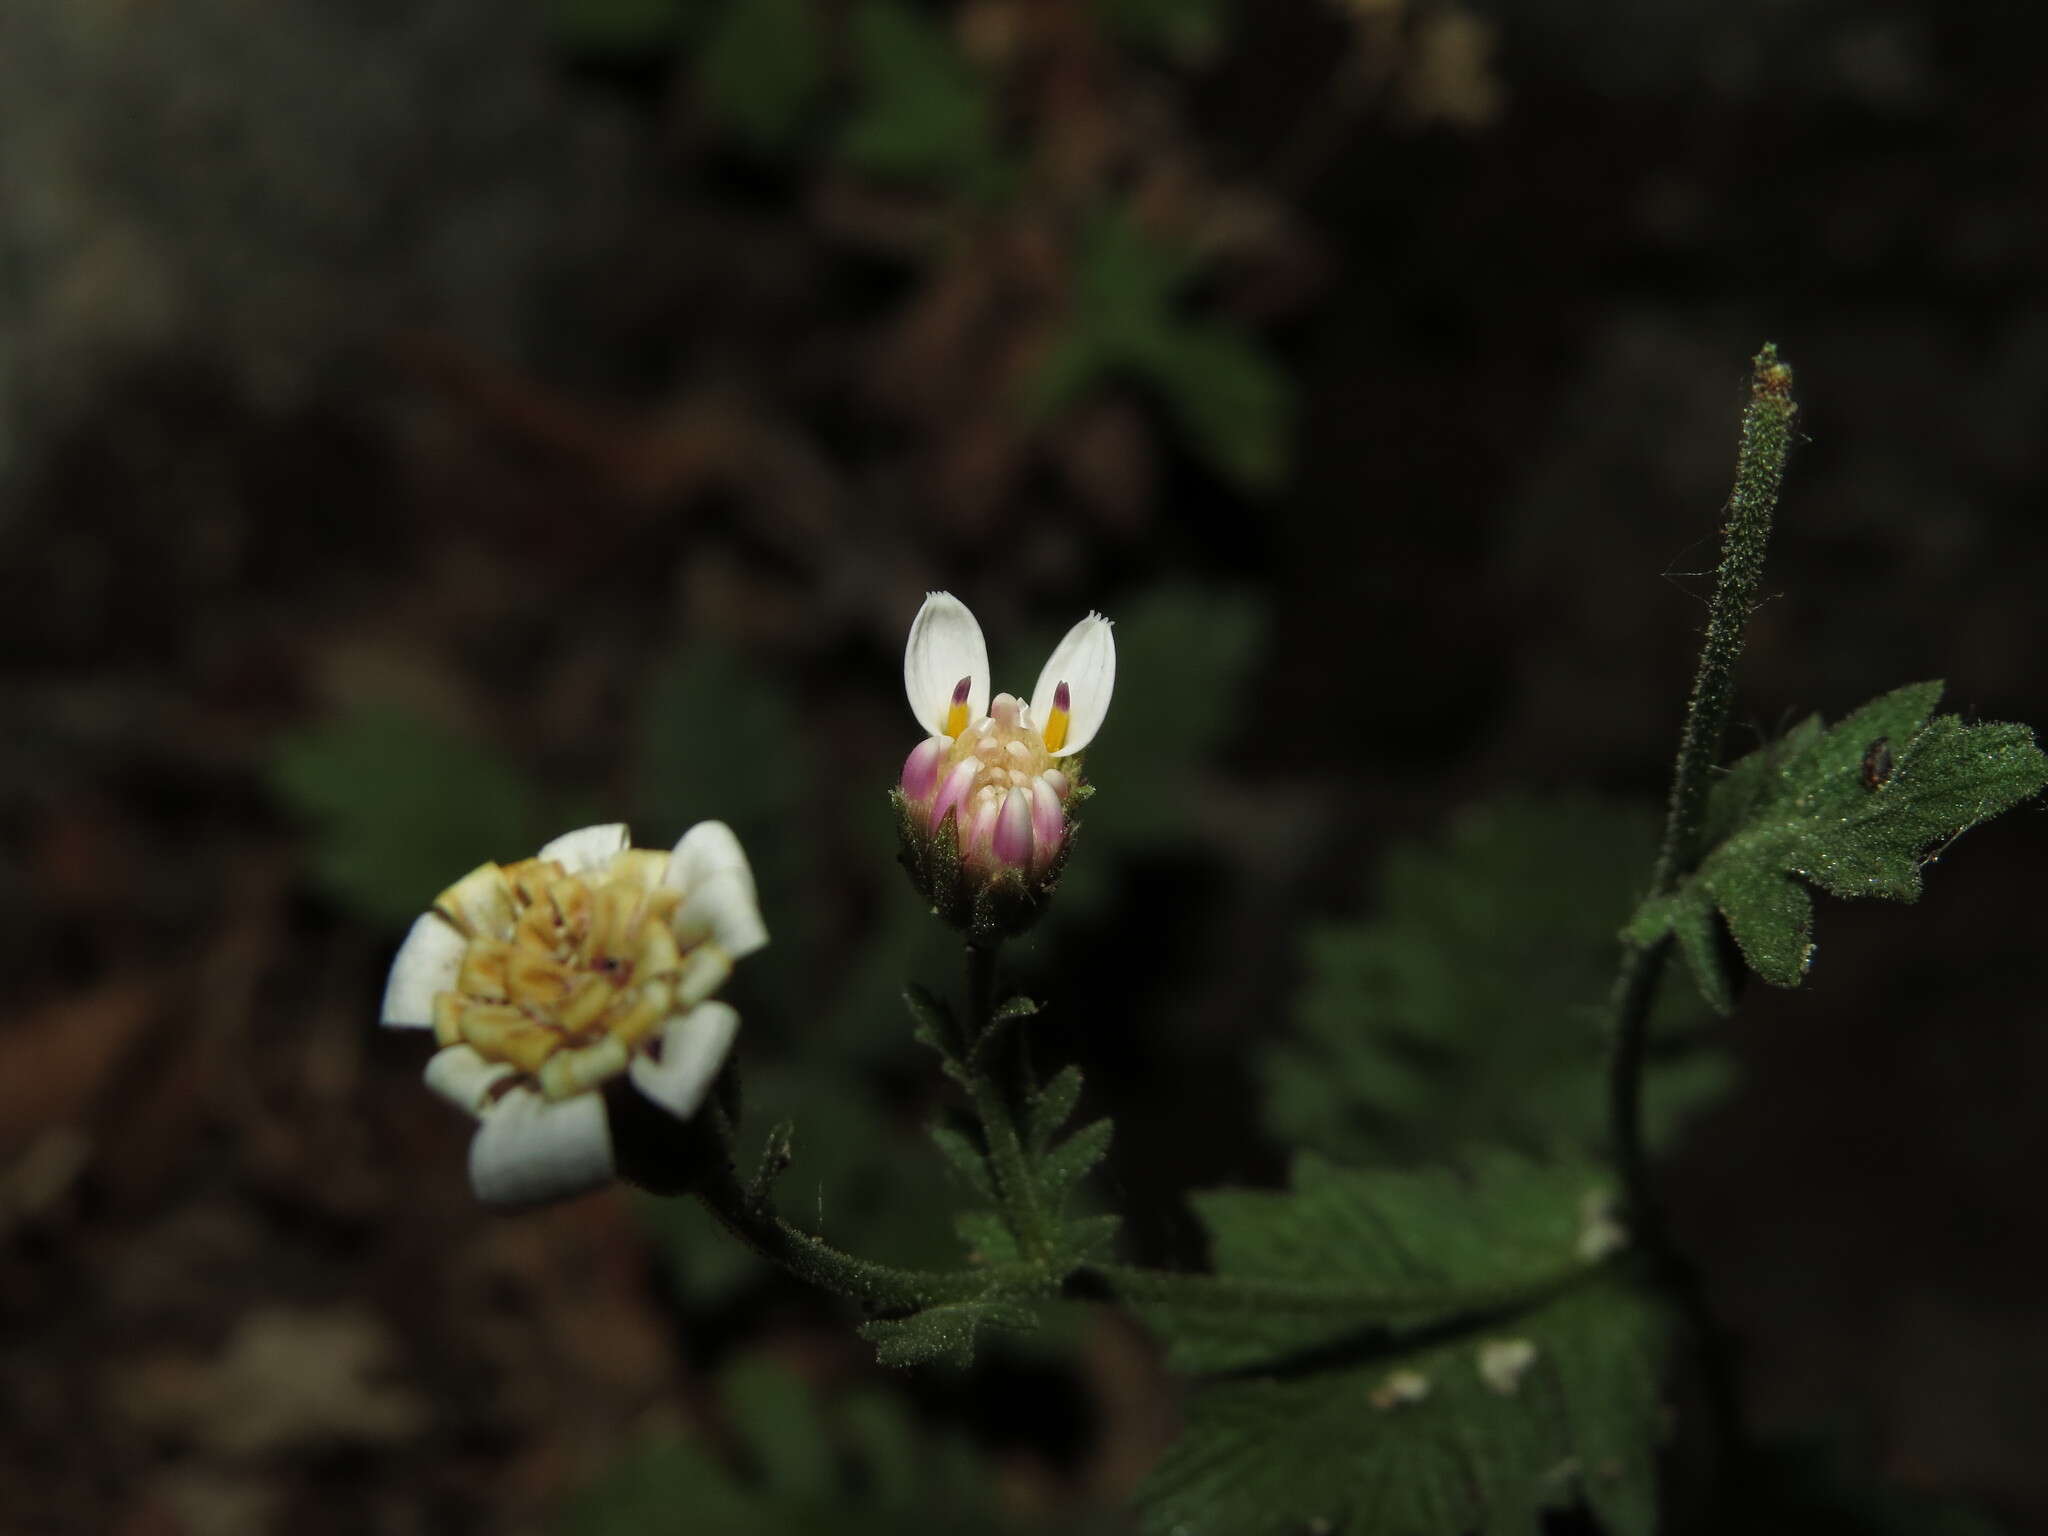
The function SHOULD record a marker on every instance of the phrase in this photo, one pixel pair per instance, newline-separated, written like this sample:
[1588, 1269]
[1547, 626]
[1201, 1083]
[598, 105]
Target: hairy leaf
[1051, 1107]
[1858, 810]
[944, 1334]
[1473, 1003]
[1415, 1354]
[1343, 1255]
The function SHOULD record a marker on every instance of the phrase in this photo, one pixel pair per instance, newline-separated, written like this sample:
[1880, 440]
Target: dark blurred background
[426, 427]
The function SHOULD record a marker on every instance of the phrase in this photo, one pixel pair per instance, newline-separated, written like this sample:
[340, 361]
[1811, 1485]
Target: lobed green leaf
[1819, 809]
[1415, 1353]
[944, 1335]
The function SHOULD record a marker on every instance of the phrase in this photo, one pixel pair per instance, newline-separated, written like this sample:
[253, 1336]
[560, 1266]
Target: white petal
[693, 1048]
[427, 962]
[529, 1150]
[1086, 662]
[945, 646]
[464, 1078]
[589, 848]
[710, 868]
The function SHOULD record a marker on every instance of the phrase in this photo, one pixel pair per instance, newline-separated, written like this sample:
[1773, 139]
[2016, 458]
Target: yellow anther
[956, 712]
[1055, 729]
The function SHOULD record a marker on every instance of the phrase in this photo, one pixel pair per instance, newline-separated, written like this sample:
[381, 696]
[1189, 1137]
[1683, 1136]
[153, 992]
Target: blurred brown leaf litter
[470, 365]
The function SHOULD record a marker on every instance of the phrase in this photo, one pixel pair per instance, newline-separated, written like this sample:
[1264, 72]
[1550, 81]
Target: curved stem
[879, 1287]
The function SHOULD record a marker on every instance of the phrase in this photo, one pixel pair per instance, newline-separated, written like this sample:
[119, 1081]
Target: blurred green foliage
[1473, 1003]
[402, 808]
[924, 112]
[619, 28]
[1231, 402]
[762, 68]
[1188, 31]
[860, 1464]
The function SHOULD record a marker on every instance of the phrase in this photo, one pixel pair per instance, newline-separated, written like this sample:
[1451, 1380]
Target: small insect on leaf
[1877, 763]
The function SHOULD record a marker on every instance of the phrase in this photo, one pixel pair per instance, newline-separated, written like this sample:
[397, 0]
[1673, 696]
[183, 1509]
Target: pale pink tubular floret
[1085, 660]
[921, 768]
[952, 794]
[1048, 821]
[945, 645]
[428, 962]
[693, 1048]
[987, 810]
[1011, 840]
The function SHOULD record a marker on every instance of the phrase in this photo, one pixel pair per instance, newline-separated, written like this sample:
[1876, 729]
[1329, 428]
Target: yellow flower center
[566, 975]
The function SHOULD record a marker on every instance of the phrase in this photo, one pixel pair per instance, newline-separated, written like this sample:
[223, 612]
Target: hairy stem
[1015, 1188]
[879, 1287]
[1759, 471]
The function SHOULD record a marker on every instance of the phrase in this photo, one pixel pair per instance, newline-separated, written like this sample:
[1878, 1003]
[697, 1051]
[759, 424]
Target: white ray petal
[529, 1150]
[694, 1046]
[427, 962]
[710, 868]
[1086, 662]
[462, 1077]
[589, 848]
[945, 645]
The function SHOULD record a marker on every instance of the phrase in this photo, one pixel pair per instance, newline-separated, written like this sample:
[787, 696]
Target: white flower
[546, 979]
[994, 764]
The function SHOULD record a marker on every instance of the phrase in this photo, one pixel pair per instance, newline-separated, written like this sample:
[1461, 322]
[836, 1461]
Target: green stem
[1015, 1188]
[1759, 472]
[879, 1287]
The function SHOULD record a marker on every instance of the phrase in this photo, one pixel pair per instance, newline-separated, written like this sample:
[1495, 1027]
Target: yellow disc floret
[566, 975]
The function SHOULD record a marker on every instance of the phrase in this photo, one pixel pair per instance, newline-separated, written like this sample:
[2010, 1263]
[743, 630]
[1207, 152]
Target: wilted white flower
[987, 798]
[547, 979]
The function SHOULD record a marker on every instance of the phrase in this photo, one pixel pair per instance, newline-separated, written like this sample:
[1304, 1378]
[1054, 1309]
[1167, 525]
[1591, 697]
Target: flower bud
[985, 803]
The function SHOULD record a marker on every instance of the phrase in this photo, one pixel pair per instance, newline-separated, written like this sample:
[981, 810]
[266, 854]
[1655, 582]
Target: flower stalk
[1759, 473]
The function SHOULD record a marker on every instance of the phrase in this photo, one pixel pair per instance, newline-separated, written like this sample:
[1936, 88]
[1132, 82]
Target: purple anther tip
[961, 689]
